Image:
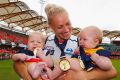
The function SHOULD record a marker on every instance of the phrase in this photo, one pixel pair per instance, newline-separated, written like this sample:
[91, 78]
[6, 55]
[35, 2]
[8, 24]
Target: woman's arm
[77, 73]
[21, 70]
[95, 74]
[98, 74]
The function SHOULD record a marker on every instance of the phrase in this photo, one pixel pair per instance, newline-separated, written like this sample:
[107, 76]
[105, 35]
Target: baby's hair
[40, 34]
[97, 32]
[52, 9]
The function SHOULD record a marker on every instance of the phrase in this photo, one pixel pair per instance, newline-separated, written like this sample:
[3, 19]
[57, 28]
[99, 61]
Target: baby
[34, 56]
[91, 54]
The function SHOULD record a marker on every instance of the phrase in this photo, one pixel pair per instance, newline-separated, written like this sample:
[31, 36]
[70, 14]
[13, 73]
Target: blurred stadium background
[17, 20]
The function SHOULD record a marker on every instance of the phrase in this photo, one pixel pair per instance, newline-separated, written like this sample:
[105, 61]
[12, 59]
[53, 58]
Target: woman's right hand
[74, 64]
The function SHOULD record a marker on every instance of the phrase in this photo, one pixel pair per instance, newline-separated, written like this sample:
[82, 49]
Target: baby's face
[88, 40]
[35, 41]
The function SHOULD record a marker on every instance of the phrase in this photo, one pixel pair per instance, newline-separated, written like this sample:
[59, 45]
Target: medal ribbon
[61, 46]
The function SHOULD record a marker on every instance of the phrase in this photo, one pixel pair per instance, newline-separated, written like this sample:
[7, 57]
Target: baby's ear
[97, 41]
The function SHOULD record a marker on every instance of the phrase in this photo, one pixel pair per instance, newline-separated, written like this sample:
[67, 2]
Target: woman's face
[61, 26]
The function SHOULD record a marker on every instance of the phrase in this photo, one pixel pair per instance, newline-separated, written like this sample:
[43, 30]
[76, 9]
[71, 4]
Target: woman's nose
[66, 29]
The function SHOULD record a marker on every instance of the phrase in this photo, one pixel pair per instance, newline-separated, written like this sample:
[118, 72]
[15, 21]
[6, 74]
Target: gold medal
[82, 64]
[64, 64]
[36, 51]
[80, 61]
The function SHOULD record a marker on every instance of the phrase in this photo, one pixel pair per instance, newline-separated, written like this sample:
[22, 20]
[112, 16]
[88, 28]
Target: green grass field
[7, 72]
[116, 64]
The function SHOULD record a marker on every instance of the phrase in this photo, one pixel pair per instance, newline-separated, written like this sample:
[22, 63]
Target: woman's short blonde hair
[52, 9]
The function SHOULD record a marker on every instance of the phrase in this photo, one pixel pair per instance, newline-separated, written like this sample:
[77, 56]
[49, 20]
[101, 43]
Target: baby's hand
[77, 51]
[38, 51]
[95, 57]
[22, 57]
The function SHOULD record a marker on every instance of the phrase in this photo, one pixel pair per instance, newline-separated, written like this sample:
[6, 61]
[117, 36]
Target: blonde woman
[64, 44]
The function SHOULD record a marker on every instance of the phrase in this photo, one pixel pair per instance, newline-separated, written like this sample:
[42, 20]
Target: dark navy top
[27, 52]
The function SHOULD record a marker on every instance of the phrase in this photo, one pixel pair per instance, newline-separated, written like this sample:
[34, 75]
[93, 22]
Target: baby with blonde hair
[34, 57]
[90, 51]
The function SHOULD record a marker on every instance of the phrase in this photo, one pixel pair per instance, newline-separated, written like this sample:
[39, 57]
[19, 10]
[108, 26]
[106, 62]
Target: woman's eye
[60, 27]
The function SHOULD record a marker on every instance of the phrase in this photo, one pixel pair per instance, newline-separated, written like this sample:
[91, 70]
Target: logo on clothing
[49, 50]
[68, 51]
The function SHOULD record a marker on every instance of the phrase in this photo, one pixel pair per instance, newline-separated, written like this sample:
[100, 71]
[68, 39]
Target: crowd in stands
[10, 36]
[10, 41]
[113, 48]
